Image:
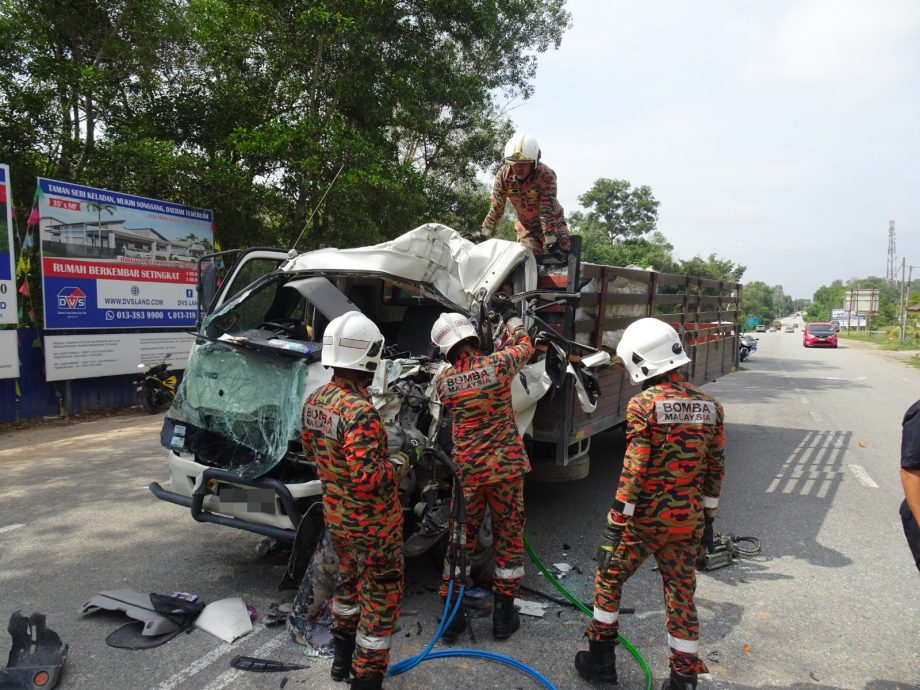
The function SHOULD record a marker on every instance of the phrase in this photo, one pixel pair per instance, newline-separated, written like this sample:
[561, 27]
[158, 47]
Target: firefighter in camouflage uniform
[665, 501]
[530, 186]
[475, 391]
[344, 434]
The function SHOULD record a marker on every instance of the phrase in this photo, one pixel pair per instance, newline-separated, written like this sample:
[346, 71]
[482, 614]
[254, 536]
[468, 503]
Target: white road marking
[10, 528]
[863, 476]
[195, 667]
[225, 678]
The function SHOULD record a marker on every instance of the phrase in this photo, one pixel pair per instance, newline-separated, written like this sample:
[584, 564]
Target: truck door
[251, 265]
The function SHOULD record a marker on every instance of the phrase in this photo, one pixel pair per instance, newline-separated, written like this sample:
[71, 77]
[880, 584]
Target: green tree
[618, 209]
[618, 226]
[712, 267]
[253, 107]
[757, 300]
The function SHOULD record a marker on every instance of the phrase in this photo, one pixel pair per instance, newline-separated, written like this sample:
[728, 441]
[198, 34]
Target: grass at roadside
[883, 340]
[886, 341]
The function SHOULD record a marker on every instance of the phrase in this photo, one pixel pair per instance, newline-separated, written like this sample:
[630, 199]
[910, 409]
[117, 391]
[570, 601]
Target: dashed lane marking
[10, 528]
[194, 667]
[225, 678]
[863, 476]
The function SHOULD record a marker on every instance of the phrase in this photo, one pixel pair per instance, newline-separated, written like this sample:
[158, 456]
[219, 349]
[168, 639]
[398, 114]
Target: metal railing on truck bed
[704, 311]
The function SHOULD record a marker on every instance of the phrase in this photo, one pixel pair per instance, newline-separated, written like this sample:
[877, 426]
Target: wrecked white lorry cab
[233, 431]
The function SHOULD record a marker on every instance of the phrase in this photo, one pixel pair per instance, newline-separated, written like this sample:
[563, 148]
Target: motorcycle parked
[156, 386]
[746, 345]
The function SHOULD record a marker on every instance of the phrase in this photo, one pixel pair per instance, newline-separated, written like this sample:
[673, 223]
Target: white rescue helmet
[522, 148]
[352, 341]
[450, 329]
[650, 347]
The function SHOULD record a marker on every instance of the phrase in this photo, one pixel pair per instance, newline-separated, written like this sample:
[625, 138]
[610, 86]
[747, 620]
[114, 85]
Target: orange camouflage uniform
[540, 219]
[343, 432]
[488, 450]
[672, 477]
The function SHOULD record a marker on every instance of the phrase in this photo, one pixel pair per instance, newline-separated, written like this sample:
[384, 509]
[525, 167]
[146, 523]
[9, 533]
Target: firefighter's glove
[502, 306]
[610, 540]
[401, 463]
[707, 538]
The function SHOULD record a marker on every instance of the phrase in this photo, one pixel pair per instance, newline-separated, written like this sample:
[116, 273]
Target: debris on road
[37, 655]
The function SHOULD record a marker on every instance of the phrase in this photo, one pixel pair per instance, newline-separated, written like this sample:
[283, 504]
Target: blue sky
[782, 135]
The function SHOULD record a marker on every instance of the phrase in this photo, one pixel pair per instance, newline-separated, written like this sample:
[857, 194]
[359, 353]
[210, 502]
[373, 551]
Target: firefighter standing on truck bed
[530, 186]
[343, 432]
[475, 391]
[665, 501]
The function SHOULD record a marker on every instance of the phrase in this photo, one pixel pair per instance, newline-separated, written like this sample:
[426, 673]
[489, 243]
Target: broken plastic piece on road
[249, 663]
[137, 606]
[530, 608]
[227, 619]
[37, 654]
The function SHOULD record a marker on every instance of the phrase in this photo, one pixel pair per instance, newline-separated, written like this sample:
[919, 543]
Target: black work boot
[598, 664]
[680, 681]
[373, 682]
[505, 618]
[343, 650]
[457, 624]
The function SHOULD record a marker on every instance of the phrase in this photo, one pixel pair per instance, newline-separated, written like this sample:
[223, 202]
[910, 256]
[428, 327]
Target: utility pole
[905, 298]
[901, 302]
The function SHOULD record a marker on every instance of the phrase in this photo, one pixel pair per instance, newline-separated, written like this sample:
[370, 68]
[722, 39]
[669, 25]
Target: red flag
[24, 289]
[34, 217]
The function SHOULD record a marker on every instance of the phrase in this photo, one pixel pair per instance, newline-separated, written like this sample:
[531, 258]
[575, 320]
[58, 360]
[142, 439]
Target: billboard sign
[861, 301]
[7, 259]
[112, 260]
[89, 356]
[9, 355]
[844, 319]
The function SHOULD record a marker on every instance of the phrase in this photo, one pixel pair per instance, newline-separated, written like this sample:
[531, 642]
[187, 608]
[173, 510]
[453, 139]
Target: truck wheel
[549, 471]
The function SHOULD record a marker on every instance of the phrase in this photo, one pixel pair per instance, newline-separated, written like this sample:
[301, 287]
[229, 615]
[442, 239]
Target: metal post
[901, 301]
[910, 272]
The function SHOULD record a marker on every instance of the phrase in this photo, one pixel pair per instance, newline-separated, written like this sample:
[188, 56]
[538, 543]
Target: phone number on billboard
[155, 315]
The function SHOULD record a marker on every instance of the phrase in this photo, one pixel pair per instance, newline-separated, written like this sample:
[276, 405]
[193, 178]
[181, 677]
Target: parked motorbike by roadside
[746, 345]
[156, 386]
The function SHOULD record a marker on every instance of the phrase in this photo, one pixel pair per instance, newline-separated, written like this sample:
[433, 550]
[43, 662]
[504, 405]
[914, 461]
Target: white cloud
[849, 50]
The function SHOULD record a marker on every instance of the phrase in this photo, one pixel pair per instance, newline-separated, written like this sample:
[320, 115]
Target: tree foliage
[618, 210]
[712, 267]
[829, 297]
[253, 107]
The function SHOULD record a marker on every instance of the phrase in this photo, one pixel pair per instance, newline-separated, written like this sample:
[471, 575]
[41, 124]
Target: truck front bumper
[261, 505]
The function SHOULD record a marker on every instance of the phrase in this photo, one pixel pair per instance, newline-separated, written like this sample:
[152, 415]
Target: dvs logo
[71, 299]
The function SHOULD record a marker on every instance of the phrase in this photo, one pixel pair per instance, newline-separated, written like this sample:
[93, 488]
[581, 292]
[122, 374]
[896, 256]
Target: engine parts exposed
[36, 657]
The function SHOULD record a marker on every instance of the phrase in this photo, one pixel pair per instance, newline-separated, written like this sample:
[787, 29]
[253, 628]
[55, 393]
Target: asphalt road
[813, 447]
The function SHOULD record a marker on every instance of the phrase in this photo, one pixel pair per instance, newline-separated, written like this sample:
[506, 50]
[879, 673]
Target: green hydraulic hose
[588, 612]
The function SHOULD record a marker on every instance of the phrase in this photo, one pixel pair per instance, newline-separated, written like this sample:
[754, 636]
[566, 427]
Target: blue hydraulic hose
[413, 661]
[446, 618]
[536, 675]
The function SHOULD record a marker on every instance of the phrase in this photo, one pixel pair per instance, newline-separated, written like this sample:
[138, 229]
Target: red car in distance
[819, 335]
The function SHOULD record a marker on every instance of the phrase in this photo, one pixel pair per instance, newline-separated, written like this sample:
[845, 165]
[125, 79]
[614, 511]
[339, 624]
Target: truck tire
[549, 471]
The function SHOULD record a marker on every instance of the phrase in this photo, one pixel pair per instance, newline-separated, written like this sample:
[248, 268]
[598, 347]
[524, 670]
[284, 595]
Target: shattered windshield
[238, 406]
[240, 410]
